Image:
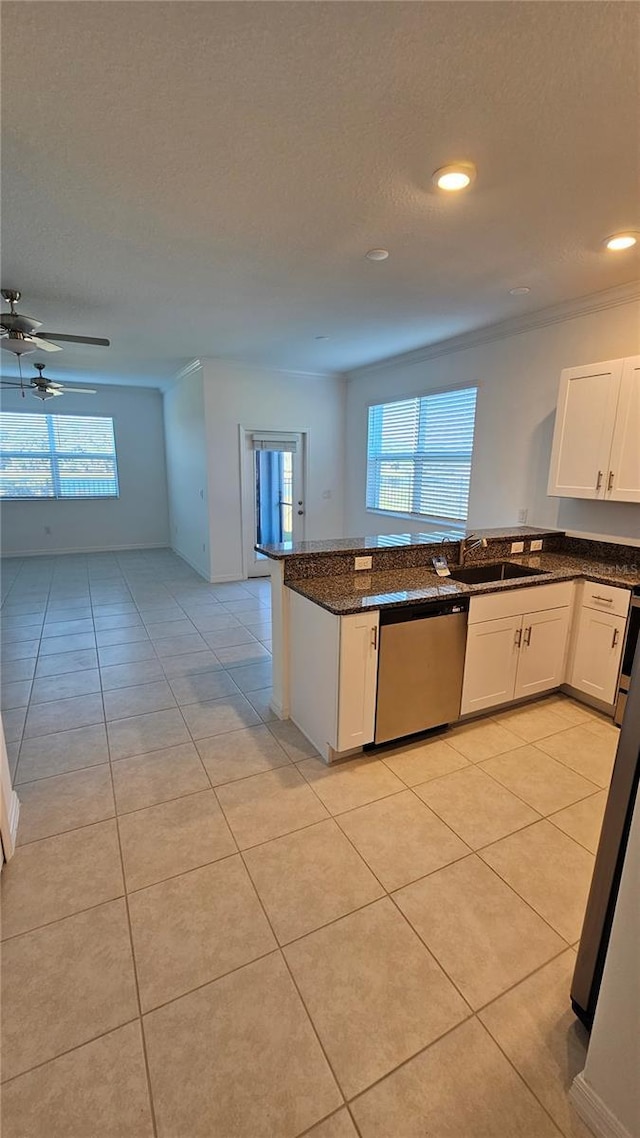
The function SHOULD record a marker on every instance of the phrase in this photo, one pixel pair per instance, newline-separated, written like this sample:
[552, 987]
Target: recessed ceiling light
[620, 241]
[455, 177]
[377, 254]
[519, 290]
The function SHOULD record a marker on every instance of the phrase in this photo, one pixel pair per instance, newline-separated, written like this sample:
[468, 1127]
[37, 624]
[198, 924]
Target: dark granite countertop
[359, 592]
[357, 545]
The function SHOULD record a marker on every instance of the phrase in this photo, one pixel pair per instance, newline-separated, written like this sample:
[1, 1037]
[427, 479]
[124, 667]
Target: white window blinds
[419, 455]
[57, 456]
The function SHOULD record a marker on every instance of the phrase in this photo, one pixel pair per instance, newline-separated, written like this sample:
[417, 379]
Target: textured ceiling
[203, 179]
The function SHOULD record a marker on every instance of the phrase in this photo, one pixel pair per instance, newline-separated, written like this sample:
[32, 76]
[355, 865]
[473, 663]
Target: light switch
[517, 547]
[363, 562]
[536, 545]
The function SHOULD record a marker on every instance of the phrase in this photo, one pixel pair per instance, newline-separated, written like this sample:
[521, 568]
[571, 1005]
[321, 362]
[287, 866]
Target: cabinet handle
[599, 482]
[616, 637]
[605, 600]
[374, 637]
[527, 637]
[610, 482]
[518, 638]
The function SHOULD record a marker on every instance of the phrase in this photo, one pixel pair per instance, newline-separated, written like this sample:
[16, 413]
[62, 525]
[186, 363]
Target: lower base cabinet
[543, 653]
[513, 657]
[597, 654]
[334, 671]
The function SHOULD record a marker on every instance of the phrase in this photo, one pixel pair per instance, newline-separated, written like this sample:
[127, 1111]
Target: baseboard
[9, 843]
[192, 565]
[279, 709]
[84, 549]
[225, 578]
[594, 1111]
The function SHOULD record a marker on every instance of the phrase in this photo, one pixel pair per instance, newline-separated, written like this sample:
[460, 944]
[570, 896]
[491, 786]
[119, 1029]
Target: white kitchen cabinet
[515, 645]
[357, 676]
[623, 479]
[595, 451]
[596, 659]
[490, 663]
[598, 640]
[543, 652]
[333, 681]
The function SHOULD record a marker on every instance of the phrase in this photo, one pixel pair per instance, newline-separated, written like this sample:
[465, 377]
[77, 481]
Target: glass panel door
[275, 477]
[274, 496]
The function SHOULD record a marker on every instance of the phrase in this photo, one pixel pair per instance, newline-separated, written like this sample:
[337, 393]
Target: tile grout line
[288, 969]
[132, 951]
[69, 1051]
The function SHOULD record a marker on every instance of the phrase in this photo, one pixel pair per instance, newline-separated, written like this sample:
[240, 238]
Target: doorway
[273, 493]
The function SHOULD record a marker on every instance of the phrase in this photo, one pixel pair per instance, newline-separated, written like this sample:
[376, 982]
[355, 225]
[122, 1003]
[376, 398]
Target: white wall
[187, 475]
[259, 399]
[518, 381]
[138, 518]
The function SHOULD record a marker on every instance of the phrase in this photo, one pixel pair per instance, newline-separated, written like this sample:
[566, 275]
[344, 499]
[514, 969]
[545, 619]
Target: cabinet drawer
[605, 598]
[515, 602]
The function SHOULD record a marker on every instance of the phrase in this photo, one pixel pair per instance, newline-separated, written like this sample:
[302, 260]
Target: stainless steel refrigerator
[610, 857]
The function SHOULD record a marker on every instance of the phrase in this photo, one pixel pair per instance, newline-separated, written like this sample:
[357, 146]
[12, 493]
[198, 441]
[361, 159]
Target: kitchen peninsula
[555, 617]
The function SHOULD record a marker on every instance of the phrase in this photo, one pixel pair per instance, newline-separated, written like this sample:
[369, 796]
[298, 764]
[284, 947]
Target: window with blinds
[57, 456]
[419, 455]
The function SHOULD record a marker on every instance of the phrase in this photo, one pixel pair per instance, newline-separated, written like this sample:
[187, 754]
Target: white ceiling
[203, 179]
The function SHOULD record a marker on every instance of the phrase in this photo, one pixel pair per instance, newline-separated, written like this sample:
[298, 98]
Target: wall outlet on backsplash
[517, 547]
[536, 545]
[362, 562]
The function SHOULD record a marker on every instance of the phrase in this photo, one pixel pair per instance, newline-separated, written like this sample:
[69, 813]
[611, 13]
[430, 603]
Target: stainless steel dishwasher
[420, 667]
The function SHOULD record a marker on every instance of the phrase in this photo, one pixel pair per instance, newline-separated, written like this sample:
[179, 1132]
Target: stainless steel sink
[494, 571]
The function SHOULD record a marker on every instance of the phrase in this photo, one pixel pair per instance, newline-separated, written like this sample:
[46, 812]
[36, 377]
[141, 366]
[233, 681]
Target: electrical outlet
[523, 514]
[362, 562]
[536, 545]
[517, 547]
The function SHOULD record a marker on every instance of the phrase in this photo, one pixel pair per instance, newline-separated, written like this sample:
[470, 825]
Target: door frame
[247, 503]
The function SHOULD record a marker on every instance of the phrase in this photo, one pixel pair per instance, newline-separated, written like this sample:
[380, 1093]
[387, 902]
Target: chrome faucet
[471, 541]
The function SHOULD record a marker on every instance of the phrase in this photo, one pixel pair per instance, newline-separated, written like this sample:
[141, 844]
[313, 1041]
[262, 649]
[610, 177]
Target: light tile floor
[207, 932]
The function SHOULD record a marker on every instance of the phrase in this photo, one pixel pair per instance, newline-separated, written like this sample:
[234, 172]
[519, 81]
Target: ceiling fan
[18, 333]
[43, 387]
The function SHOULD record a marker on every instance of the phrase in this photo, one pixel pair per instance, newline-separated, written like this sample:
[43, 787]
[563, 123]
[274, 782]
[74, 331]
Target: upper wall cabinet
[596, 442]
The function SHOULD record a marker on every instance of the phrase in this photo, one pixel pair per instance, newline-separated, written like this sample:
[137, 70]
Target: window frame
[54, 456]
[414, 515]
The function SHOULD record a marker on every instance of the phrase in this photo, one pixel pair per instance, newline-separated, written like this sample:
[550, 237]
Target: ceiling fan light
[18, 343]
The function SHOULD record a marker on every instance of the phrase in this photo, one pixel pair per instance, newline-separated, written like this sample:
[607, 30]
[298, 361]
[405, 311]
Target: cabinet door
[541, 664]
[623, 479]
[596, 658]
[358, 674]
[585, 417]
[490, 663]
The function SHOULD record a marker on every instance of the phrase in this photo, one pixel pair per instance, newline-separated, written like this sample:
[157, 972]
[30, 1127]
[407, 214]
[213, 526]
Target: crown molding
[229, 361]
[514, 326]
[188, 369]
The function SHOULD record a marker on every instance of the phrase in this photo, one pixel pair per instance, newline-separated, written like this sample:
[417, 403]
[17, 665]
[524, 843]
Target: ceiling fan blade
[79, 390]
[95, 340]
[44, 345]
[10, 383]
